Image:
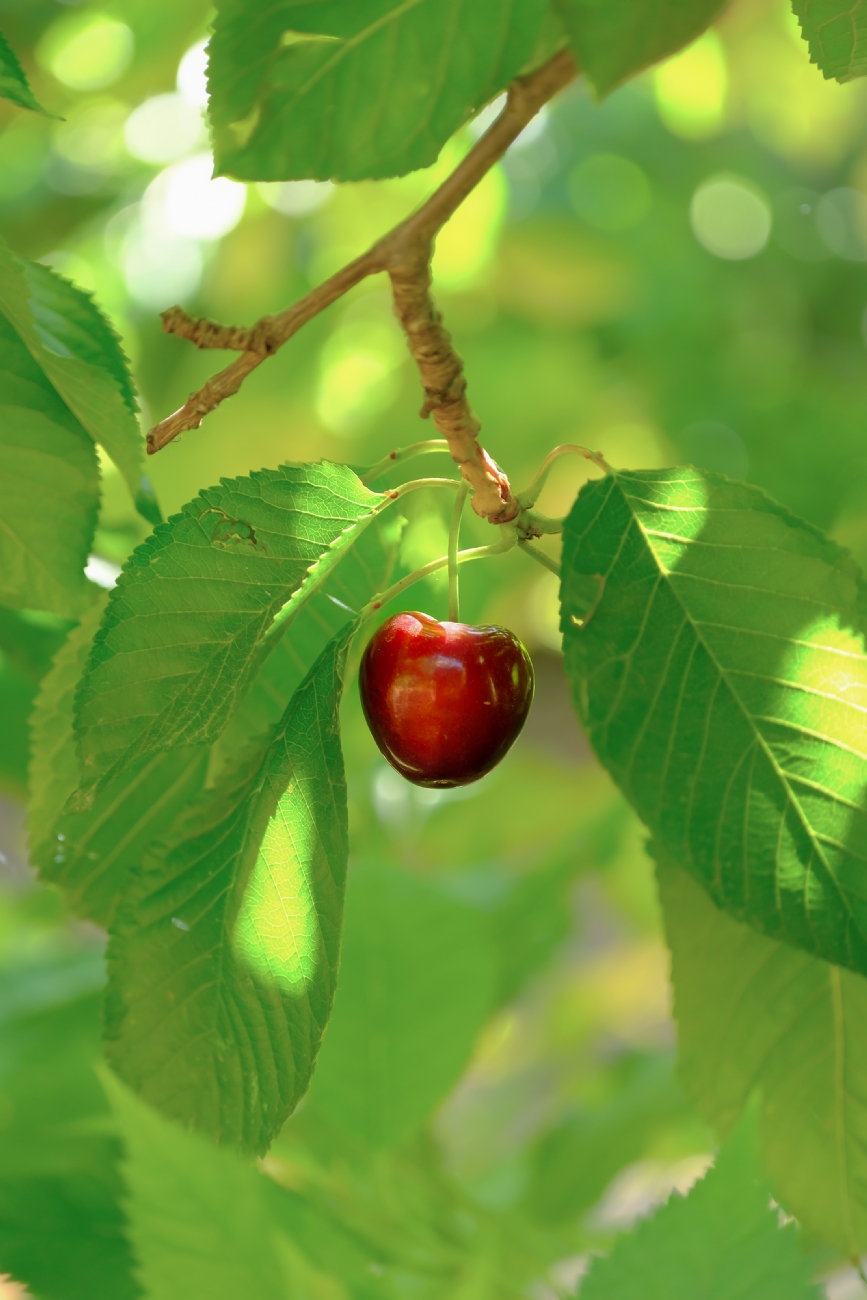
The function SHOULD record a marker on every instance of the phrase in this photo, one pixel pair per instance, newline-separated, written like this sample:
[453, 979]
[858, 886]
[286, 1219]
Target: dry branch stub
[405, 253]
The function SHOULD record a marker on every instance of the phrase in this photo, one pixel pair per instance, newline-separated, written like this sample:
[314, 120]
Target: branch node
[405, 254]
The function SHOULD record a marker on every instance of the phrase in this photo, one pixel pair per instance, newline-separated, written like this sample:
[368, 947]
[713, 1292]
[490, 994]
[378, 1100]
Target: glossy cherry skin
[444, 701]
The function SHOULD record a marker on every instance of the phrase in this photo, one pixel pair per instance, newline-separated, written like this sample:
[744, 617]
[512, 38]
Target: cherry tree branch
[405, 255]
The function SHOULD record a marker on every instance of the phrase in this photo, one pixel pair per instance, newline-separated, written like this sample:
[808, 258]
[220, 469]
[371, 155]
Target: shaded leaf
[531, 922]
[13, 83]
[356, 89]
[224, 956]
[836, 32]
[62, 1228]
[721, 1241]
[575, 1162]
[54, 763]
[614, 39]
[755, 1013]
[199, 1217]
[417, 982]
[30, 639]
[365, 569]
[90, 853]
[185, 629]
[49, 490]
[16, 701]
[80, 355]
[722, 679]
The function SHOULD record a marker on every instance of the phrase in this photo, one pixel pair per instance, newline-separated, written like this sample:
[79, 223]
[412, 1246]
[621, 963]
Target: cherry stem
[454, 542]
[531, 496]
[510, 537]
[284, 614]
[395, 493]
[403, 453]
[540, 557]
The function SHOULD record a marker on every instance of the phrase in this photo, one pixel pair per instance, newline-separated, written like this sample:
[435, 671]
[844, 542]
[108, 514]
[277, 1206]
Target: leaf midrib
[352, 42]
[665, 575]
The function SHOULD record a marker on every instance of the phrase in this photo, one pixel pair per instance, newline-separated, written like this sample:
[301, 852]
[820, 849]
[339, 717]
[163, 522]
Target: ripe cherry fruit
[444, 701]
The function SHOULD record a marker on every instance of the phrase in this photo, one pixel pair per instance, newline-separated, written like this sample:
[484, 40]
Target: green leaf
[722, 679]
[16, 701]
[90, 854]
[836, 32]
[61, 1222]
[575, 1162]
[356, 89]
[224, 956]
[366, 569]
[13, 82]
[79, 354]
[614, 39]
[722, 1240]
[54, 763]
[30, 639]
[200, 1222]
[531, 921]
[417, 982]
[756, 1013]
[185, 629]
[49, 488]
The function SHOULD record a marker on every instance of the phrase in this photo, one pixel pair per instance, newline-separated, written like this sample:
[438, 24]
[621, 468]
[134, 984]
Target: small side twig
[405, 254]
[206, 333]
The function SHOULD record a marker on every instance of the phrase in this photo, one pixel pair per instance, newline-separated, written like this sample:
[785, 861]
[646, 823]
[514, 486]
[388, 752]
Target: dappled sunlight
[276, 933]
[369, 1040]
[690, 89]
[88, 52]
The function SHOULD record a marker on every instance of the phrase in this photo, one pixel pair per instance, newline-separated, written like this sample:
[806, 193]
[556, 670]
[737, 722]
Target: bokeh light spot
[163, 129]
[90, 56]
[296, 198]
[359, 364]
[355, 387]
[841, 219]
[610, 192]
[465, 247]
[159, 270]
[633, 445]
[730, 217]
[192, 79]
[690, 89]
[184, 200]
[93, 135]
[795, 227]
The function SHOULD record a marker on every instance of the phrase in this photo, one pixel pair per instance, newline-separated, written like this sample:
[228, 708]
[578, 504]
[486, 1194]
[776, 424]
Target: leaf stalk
[454, 542]
[508, 541]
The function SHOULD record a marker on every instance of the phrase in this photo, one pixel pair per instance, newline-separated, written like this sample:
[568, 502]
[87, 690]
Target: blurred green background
[676, 275]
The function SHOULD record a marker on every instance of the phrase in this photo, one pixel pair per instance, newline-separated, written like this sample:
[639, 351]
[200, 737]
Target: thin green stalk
[395, 493]
[510, 537]
[312, 584]
[531, 496]
[454, 542]
[403, 453]
[540, 557]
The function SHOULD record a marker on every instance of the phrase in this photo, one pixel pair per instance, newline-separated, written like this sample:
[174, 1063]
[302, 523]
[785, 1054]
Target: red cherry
[444, 701]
